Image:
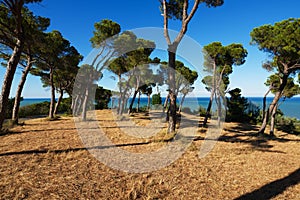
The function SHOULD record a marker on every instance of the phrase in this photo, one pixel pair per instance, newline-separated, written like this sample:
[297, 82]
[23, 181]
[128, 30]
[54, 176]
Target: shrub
[156, 99]
[288, 124]
[35, 109]
[202, 111]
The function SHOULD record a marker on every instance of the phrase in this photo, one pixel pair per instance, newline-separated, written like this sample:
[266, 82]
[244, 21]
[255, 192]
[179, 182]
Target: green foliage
[185, 77]
[102, 98]
[202, 111]
[175, 7]
[34, 109]
[10, 106]
[156, 99]
[239, 109]
[291, 89]
[104, 30]
[218, 62]
[65, 106]
[288, 124]
[39, 109]
[281, 41]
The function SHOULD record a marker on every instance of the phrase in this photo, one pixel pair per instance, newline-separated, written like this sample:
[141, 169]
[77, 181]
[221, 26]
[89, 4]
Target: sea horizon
[287, 107]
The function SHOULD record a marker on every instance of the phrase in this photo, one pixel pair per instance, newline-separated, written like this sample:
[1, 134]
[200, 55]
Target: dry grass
[46, 160]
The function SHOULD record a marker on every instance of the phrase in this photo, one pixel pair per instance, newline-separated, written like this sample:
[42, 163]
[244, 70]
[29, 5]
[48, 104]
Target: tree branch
[186, 21]
[166, 22]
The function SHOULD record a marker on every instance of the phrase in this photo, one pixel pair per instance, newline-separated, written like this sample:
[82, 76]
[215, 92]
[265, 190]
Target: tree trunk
[76, 105]
[172, 115]
[52, 102]
[265, 104]
[138, 103]
[172, 107]
[8, 79]
[219, 109]
[273, 104]
[273, 121]
[15, 113]
[84, 104]
[208, 108]
[213, 90]
[132, 101]
[148, 104]
[58, 101]
[181, 102]
[120, 96]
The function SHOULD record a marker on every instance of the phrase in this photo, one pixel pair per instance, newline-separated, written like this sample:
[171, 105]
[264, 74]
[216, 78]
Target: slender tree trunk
[84, 104]
[172, 107]
[265, 104]
[52, 102]
[138, 103]
[219, 108]
[213, 90]
[8, 79]
[77, 104]
[181, 102]
[112, 102]
[15, 113]
[273, 120]
[274, 103]
[132, 101]
[120, 96]
[61, 94]
[208, 110]
[148, 104]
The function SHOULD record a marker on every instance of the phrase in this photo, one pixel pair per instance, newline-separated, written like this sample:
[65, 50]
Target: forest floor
[47, 160]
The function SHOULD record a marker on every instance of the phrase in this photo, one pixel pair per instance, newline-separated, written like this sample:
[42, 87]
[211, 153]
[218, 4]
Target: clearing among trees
[46, 160]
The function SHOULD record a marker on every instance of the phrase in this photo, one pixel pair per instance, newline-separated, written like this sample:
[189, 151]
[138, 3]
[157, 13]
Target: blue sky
[230, 23]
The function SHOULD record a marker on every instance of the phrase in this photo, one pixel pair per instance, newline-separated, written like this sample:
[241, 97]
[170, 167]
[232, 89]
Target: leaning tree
[14, 9]
[178, 10]
[282, 42]
[219, 62]
[291, 89]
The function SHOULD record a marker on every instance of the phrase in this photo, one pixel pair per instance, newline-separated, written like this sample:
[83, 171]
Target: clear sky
[230, 23]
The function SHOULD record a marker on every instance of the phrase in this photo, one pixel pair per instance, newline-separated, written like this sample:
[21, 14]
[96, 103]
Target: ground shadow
[274, 188]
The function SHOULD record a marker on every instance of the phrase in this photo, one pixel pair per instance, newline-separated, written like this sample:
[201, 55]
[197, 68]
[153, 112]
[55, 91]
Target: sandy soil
[47, 160]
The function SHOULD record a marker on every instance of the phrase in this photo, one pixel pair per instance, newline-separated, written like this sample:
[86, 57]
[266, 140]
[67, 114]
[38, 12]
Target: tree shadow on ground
[58, 151]
[274, 188]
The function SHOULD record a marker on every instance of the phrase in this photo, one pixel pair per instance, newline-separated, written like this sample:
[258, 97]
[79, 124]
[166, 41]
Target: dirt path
[47, 160]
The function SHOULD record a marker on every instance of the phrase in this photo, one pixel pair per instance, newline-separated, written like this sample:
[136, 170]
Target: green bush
[288, 124]
[34, 109]
[202, 111]
[65, 106]
[156, 99]
[239, 109]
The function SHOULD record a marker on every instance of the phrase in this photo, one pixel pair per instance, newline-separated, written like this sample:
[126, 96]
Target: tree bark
[84, 104]
[219, 109]
[265, 104]
[58, 101]
[213, 90]
[172, 106]
[15, 113]
[276, 98]
[148, 104]
[132, 101]
[8, 79]
[52, 102]
[181, 103]
[138, 103]
[208, 108]
[273, 120]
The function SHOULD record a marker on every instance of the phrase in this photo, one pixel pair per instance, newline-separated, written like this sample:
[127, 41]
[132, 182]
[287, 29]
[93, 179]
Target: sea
[290, 107]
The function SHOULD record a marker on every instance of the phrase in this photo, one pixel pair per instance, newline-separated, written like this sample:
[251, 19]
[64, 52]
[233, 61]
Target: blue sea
[290, 107]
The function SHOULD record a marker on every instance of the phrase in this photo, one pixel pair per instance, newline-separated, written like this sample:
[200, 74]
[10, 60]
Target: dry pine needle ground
[47, 160]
